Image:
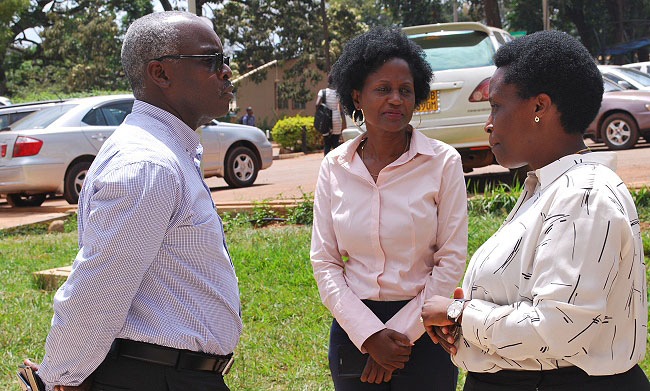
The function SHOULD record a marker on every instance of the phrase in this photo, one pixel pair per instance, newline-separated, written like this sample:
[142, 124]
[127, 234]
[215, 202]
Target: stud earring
[536, 119]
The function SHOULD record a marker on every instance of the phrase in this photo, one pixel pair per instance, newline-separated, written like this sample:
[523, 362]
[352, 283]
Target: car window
[116, 112]
[611, 86]
[637, 76]
[95, 118]
[42, 118]
[456, 49]
[617, 79]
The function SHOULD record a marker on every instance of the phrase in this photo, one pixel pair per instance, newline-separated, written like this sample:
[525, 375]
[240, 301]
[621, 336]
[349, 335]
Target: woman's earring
[355, 114]
[536, 119]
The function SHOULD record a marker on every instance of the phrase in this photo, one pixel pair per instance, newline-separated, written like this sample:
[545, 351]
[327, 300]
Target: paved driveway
[289, 178]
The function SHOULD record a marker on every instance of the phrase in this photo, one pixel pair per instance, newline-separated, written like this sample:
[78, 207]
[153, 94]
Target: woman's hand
[434, 310]
[375, 373]
[388, 348]
[445, 336]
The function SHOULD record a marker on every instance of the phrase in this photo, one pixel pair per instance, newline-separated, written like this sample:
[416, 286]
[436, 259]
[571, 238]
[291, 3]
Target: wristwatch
[455, 310]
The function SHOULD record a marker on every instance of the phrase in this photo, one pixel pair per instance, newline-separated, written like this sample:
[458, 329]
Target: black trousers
[429, 366]
[122, 373]
[563, 379]
[330, 142]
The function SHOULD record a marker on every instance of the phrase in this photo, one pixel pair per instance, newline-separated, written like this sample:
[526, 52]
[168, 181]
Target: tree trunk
[615, 9]
[492, 16]
[575, 11]
[166, 5]
[3, 79]
[327, 36]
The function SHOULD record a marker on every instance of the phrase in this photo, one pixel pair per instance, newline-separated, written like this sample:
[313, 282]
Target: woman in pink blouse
[390, 223]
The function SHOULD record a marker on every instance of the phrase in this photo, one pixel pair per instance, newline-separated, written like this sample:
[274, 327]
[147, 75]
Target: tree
[17, 16]
[492, 15]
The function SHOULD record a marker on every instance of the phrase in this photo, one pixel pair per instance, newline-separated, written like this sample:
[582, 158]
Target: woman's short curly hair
[365, 53]
[558, 65]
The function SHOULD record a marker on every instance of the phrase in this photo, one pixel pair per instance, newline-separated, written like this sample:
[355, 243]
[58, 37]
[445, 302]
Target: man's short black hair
[556, 64]
[365, 53]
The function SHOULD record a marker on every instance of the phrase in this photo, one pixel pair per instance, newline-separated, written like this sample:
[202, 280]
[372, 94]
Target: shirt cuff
[358, 321]
[474, 325]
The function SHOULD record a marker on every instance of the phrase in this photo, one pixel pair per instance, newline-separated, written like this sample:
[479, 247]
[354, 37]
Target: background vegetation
[79, 40]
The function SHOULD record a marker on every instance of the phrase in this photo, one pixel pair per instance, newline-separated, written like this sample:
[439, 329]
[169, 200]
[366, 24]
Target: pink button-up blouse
[402, 238]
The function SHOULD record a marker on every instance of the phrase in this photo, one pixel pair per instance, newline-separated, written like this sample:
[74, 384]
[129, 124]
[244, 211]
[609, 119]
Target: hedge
[288, 133]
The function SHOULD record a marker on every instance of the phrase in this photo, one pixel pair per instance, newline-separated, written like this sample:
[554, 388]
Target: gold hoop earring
[536, 119]
[419, 122]
[354, 117]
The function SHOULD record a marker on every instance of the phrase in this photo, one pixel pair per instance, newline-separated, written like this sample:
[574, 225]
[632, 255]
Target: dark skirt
[429, 366]
[563, 379]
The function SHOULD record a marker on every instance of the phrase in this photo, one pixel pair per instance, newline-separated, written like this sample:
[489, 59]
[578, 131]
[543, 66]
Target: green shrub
[288, 133]
[641, 196]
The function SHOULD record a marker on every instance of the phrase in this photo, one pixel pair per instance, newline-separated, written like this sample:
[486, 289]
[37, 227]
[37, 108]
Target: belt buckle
[226, 369]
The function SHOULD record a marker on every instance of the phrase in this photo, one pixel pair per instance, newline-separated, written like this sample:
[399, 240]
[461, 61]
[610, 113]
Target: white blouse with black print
[562, 282]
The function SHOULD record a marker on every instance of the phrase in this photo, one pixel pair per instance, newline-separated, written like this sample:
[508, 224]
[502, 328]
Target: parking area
[290, 178]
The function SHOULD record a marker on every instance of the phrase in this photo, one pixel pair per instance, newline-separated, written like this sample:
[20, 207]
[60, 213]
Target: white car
[461, 56]
[627, 78]
[639, 66]
[4, 101]
[50, 150]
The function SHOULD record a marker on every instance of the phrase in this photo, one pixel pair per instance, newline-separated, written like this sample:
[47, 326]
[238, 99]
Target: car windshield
[637, 76]
[456, 49]
[42, 118]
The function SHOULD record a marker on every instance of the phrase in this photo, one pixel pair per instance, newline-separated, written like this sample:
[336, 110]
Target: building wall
[262, 97]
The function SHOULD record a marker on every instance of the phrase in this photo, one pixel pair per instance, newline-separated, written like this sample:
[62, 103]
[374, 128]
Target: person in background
[557, 297]
[248, 118]
[390, 223]
[152, 302]
[332, 139]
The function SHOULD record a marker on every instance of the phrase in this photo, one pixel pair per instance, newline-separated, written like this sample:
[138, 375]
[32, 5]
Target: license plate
[431, 105]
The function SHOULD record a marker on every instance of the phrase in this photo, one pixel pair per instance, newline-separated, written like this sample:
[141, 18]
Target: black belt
[180, 359]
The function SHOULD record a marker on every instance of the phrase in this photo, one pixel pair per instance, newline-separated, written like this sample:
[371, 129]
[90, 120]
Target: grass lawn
[284, 343]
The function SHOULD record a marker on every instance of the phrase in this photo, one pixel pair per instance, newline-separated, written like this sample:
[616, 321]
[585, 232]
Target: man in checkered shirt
[152, 302]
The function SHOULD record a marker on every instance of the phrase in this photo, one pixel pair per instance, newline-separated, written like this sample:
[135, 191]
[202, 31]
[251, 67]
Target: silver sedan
[51, 150]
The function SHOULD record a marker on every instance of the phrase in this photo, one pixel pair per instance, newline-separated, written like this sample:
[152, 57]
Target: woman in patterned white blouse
[557, 296]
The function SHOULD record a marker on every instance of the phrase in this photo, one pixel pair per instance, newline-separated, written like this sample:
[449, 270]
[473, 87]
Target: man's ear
[543, 104]
[156, 73]
[355, 99]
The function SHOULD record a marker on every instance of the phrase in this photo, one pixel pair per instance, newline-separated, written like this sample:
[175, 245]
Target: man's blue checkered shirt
[152, 264]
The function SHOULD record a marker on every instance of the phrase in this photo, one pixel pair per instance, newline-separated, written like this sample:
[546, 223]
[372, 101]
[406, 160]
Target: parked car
[639, 66]
[626, 77]
[460, 55]
[12, 113]
[4, 101]
[624, 116]
[50, 150]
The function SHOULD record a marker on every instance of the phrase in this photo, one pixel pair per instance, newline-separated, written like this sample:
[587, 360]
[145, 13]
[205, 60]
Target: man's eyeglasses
[216, 60]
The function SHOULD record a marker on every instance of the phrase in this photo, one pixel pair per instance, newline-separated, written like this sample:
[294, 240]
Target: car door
[211, 140]
[100, 121]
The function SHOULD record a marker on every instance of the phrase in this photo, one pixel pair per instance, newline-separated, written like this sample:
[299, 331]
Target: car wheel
[619, 131]
[241, 167]
[17, 200]
[74, 180]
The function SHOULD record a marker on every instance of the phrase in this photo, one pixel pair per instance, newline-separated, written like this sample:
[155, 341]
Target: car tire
[619, 131]
[19, 200]
[74, 181]
[241, 167]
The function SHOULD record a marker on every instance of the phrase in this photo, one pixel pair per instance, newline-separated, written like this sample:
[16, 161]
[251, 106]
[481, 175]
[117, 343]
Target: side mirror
[626, 85]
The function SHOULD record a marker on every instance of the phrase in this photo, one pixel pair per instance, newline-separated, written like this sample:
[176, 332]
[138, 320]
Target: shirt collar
[419, 145]
[189, 139]
[549, 173]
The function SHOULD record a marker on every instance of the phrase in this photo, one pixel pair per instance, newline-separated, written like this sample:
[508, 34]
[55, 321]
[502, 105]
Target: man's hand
[375, 373]
[85, 386]
[388, 348]
[445, 336]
